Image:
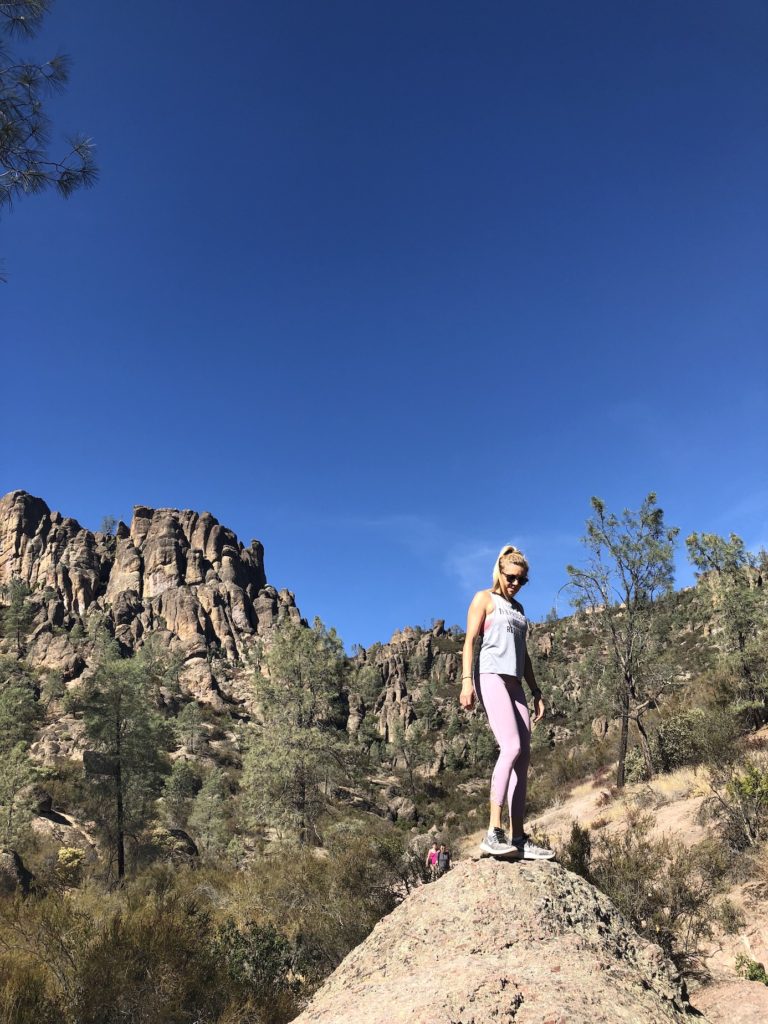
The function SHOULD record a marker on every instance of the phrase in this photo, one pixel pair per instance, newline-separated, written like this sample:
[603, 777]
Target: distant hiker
[432, 861]
[500, 621]
[443, 860]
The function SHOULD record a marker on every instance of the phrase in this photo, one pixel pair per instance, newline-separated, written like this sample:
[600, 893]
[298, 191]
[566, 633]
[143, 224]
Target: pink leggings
[504, 701]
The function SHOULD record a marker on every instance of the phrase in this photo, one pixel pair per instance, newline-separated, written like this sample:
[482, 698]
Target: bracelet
[465, 677]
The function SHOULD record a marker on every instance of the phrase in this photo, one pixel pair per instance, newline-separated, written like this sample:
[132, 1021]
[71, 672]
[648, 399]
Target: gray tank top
[503, 641]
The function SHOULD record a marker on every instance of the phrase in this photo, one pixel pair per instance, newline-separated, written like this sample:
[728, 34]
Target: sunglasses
[513, 580]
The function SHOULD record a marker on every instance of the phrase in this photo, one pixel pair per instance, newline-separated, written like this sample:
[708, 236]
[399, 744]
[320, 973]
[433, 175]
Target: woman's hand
[538, 709]
[467, 695]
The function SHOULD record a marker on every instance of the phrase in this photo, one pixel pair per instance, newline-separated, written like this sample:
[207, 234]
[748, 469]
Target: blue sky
[389, 285]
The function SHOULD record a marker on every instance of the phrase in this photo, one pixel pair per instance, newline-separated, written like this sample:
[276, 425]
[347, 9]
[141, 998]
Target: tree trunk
[645, 746]
[120, 823]
[119, 802]
[623, 739]
[302, 809]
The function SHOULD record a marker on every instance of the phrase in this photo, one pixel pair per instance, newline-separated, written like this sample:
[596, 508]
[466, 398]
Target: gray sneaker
[530, 851]
[496, 844]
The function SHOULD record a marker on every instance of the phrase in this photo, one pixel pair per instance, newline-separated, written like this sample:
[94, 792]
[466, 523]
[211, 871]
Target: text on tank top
[503, 640]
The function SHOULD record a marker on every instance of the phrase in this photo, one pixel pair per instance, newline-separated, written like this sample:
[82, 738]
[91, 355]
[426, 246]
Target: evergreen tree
[181, 787]
[20, 710]
[16, 773]
[741, 609]
[119, 704]
[188, 726]
[18, 615]
[209, 819]
[25, 165]
[630, 564]
[299, 750]
[413, 748]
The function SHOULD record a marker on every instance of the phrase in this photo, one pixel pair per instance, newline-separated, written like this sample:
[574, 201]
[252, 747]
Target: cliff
[175, 573]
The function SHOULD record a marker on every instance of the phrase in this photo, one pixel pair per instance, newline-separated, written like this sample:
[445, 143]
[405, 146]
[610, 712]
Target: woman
[432, 861]
[498, 618]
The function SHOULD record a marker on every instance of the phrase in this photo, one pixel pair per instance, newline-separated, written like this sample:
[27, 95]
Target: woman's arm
[475, 619]
[530, 678]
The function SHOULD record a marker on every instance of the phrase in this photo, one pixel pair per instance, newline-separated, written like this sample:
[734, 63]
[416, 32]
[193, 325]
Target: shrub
[326, 905]
[23, 995]
[635, 768]
[750, 969]
[577, 852]
[150, 953]
[258, 959]
[69, 865]
[693, 736]
[554, 772]
[663, 888]
[739, 802]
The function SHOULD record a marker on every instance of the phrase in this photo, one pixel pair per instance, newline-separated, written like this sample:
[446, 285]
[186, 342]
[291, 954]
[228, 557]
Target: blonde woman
[497, 617]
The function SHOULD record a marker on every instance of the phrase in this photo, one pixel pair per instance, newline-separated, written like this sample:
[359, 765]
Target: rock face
[176, 573]
[403, 668]
[497, 943]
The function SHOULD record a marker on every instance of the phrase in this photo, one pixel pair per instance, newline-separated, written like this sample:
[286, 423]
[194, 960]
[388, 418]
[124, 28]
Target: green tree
[299, 750]
[18, 615]
[412, 748]
[188, 726]
[209, 819]
[20, 710]
[25, 127]
[119, 704]
[741, 612]
[181, 787]
[20, 714]
[16, 773]
[630, 564]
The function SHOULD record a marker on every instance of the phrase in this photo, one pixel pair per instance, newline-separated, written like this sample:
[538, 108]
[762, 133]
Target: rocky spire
[174, 572]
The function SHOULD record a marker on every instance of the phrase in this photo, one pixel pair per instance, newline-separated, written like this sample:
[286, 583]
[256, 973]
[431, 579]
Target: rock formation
[178, 574]
[401, 669]
[497, 943]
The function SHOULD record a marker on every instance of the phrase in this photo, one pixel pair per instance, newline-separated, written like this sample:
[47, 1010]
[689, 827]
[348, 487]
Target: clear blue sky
[387, 285]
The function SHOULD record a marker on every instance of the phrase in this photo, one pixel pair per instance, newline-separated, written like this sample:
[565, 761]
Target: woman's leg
[496, 697]
[518, 781]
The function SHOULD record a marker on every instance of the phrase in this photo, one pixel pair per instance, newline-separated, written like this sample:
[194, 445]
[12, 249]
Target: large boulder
[502, 942]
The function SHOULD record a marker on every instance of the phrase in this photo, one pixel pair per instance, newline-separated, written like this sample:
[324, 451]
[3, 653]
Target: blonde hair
[509, 555]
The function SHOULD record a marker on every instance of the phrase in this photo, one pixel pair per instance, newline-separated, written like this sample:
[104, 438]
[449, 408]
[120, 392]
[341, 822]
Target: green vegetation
[666, 890]
[299, 751]
[18, 613]
[750, 969]
[125, 768]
